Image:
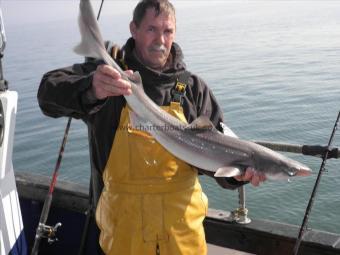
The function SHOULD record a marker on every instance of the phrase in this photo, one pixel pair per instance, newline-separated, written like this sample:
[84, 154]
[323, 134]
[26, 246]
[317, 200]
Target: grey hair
[160, 6]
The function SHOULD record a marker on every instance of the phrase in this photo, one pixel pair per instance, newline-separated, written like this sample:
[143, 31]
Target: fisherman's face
[153, 38]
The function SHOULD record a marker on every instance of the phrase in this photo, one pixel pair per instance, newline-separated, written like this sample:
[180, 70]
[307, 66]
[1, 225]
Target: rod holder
[240, 215]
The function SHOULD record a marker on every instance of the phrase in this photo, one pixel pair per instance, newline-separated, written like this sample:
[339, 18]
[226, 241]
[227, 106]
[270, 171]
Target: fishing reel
[49, 232]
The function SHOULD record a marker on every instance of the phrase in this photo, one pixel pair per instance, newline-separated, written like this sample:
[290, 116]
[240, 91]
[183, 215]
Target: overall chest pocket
[150, 160]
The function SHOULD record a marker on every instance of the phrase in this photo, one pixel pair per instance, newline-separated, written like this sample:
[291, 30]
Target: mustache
[161, 48]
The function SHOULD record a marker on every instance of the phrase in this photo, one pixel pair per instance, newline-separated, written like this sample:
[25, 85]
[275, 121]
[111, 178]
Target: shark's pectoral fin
[227, 171]
[202, 123]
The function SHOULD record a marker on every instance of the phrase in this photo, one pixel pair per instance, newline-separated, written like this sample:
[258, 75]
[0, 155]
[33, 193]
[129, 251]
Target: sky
[37, 11]
[23, 12]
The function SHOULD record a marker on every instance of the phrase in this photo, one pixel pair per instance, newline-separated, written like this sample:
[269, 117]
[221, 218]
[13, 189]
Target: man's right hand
[108, 82]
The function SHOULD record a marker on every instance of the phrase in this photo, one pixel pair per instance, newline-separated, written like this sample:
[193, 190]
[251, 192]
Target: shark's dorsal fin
[227, 131]
[202, 123]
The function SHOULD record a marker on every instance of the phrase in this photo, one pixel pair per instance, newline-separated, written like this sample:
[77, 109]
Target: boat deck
[70, 203]
[218, 250]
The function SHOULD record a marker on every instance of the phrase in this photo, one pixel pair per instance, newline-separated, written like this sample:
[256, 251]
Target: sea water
[273, 66]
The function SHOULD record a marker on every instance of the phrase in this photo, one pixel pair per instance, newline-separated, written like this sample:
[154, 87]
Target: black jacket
[62, 92]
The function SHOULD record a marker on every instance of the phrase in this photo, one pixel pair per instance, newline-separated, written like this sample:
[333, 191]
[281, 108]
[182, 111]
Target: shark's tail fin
[92, 43]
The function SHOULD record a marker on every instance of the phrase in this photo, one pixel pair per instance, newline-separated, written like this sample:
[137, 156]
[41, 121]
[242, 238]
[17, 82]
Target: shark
[199, 143]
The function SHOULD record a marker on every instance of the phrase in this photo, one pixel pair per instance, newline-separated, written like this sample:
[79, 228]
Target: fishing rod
[311, 200]
[49, 232]
[308, 150]
[43, 230]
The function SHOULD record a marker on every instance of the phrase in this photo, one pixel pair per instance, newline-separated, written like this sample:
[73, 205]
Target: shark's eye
[291, 172]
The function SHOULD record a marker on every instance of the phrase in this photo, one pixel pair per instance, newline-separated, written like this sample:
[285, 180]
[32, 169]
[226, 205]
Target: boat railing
[240, 214]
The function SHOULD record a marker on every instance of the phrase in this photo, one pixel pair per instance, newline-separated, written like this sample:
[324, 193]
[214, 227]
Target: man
[152, 202]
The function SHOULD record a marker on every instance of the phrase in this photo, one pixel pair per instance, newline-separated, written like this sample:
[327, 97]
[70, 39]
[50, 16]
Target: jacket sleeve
[66, 92]
[207, 105]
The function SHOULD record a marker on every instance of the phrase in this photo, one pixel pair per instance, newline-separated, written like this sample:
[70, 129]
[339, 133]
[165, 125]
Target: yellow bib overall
[152, 202]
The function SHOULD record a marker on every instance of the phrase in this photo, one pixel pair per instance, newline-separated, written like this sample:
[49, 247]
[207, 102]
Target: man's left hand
[251, 175]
